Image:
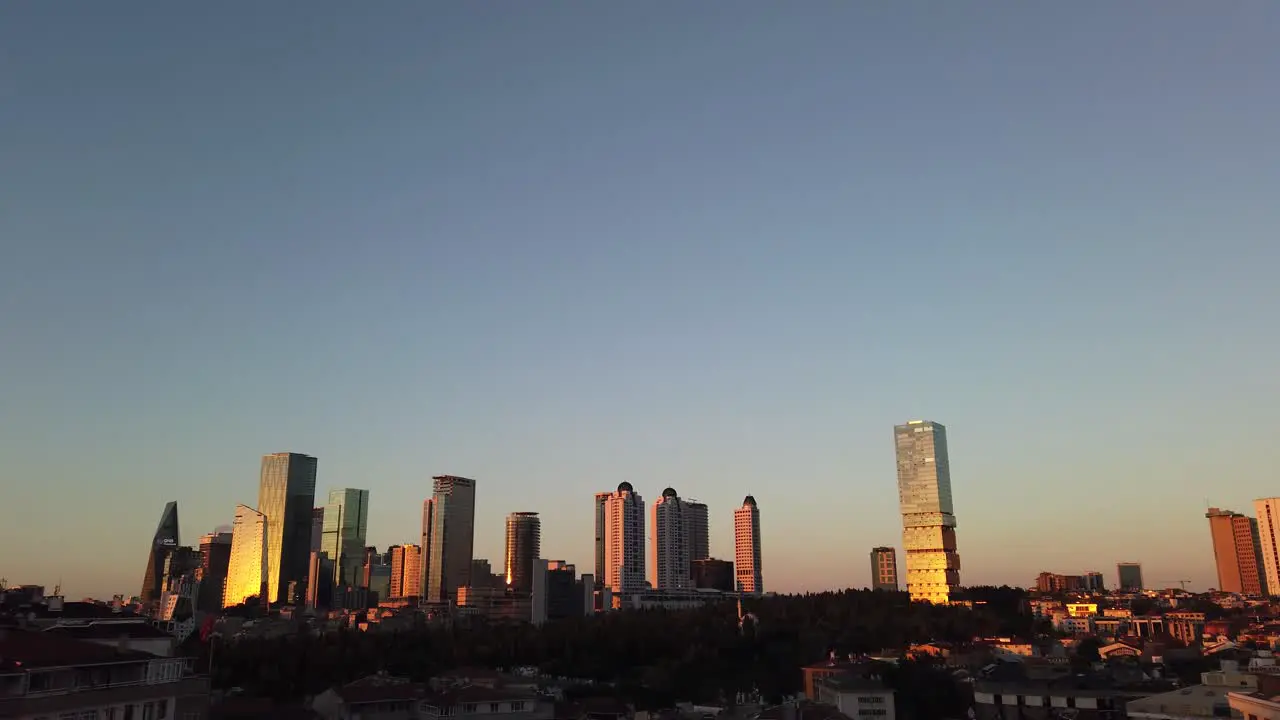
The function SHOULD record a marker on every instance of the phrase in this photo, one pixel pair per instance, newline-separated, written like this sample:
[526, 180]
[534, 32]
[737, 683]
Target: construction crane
[1182, 583]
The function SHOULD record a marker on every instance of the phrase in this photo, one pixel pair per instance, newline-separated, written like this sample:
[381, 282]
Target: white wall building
[624, 541]
[672, 543]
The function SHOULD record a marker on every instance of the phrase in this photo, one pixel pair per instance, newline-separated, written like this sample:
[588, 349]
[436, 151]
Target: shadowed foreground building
[928, 517]
[712, 574]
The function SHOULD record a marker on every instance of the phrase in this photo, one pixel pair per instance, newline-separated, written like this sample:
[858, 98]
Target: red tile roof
[25, 649]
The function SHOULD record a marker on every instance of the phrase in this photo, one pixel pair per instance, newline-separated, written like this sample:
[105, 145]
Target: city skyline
[674, 246]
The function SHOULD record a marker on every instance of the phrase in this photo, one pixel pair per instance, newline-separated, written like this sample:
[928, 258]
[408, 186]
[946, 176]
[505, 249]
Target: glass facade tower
[928, 518]
[286, 495]
[453, 521]
[346, 522]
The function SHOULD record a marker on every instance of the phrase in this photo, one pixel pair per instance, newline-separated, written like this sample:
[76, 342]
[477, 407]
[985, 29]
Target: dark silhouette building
[712, 574]
[163, 544]
[215, 558]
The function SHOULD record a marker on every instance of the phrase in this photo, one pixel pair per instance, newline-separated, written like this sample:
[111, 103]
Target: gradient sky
[721, 246]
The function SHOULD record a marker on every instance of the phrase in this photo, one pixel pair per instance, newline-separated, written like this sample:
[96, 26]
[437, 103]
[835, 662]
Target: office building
[406, 571]
[712, 574]
[428, 509]
[247, 570]
[700, 530]
[1267, 511]
[1236, 547]
[346, 526]
[287, 495]
[884, 569]
[671, 550]
[317, 528]
[555, 594]
[320, 586]
[748, 571]
[928, 517]
[215, 559]
[601, 515]
[1130, 576]
[1093, 582]
[453, 521]
[163, 543]
[624, 541]
[524, 546]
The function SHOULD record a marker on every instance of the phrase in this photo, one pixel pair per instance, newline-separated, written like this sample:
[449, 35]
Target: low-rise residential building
[864, 698]
[51, 675]
[1254, 705]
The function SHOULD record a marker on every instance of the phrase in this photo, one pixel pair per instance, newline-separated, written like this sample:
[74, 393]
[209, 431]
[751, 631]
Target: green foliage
[652, 657]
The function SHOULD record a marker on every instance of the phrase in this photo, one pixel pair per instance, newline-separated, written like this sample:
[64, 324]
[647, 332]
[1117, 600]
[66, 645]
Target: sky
[719, 246]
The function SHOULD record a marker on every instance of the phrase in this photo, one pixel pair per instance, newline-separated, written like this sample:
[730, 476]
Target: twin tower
[680, 539]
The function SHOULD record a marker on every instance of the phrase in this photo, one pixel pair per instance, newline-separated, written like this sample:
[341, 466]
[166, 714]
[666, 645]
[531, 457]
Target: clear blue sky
[722, 246]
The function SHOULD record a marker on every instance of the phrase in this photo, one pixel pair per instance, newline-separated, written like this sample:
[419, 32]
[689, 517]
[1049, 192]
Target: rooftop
[137, 629]
[805, 710]
[1194, 701]
[27, 650]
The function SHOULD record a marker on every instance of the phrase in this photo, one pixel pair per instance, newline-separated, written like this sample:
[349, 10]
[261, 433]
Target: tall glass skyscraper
[346, 523]
[163, 545]
[286, 495]
[453, 522]
[247, 569]
[928, 518]
[524, 547]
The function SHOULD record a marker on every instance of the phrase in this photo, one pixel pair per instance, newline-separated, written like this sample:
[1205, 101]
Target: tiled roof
[25, 649]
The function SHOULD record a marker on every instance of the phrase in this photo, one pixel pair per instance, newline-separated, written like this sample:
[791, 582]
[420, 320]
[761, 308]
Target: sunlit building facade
[524, 546]
[747, 565]
[406, 571]
[1267, 511]
[1236, 547]
[247, 569]
[286, 495]
[671, 548]
[453, 521]
[624, 541]
[884, 569]
[928, 517]
[346, 524]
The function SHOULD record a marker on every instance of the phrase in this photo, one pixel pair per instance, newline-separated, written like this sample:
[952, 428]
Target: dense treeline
[650, 657]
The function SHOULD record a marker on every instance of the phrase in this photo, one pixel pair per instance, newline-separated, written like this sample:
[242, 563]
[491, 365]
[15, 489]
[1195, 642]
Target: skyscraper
[247, 570]
[453, 520]
[346, 525]
[524, 547]
[747, 569]
[624, 541]
[1268, 512]
[1235, 551]
[601, 503]
[428, 507]
[406, 571]
[928, 518]
[163, 543]
[215, 559]
[700, 548]
[317, 528]
[286, 495]
[672, 543]
[1130, 576]
[884, 569]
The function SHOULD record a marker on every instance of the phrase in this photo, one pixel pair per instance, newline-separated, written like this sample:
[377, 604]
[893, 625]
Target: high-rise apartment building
[884, 569]
[747, 569]
[928, 517]
[524, 547]
[453, 521]
[699, 529]
[215, 559]
[1236, 547]
[601, 516]
[163, 544]
[1130, 576]
[1268, 514]
[406, 571]
[287, 495]
[247, 570]
[346, 527]
[672, 544]
[624, 541]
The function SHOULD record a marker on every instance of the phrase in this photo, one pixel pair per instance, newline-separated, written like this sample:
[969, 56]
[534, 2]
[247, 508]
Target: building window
[469, 708]
[517, 706]
[493, 707]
